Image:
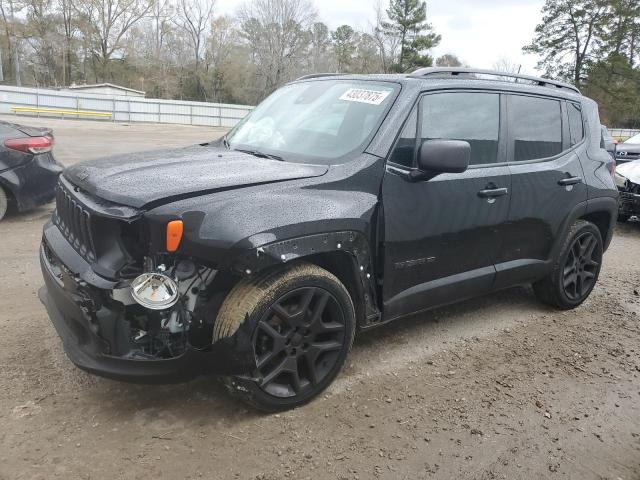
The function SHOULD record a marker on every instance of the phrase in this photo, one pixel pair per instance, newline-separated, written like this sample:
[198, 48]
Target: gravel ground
[496, 387]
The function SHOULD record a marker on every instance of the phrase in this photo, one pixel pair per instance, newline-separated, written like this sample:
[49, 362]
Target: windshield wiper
[259, 154]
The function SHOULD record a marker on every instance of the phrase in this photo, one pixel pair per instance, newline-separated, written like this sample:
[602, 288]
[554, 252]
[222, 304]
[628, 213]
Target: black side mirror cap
[444, 156]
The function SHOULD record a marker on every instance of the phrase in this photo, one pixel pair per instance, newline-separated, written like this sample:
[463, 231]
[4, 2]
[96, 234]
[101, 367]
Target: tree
[506, 65]
[275, 32]
[407, 22]
[448, 60]
[193, 18]
[320, 42]
[106, 22]
[567, 35]
[621, 36]
[66, 11]
[344, 46]
[220, 48]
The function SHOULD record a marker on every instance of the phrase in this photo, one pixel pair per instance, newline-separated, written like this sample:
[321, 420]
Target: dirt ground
[496, 387]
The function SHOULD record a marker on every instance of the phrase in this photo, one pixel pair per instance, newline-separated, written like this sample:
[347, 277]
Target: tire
[303, 324]
[576, 270]
[623, 218]
[4, 203]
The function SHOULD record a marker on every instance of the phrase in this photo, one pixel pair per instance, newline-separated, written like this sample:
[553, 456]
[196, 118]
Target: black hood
[159, 177]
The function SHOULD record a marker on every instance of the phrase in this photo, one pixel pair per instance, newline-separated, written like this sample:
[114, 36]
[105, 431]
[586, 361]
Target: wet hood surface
[630, 171]
[158, 177]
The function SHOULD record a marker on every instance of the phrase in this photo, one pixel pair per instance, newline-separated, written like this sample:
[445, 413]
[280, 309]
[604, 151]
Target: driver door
[442, 236]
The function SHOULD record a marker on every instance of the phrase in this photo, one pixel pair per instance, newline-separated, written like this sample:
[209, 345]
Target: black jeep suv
[340, 203]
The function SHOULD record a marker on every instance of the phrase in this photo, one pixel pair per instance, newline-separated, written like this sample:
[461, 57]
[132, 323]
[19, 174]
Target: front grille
[74, 221]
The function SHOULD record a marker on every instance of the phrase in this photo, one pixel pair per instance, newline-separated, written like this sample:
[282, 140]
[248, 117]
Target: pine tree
[344, 46]
[408, 22]
[567, 36]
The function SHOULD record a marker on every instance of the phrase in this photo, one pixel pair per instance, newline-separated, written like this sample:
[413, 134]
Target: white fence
[623, 132]
[125, 109]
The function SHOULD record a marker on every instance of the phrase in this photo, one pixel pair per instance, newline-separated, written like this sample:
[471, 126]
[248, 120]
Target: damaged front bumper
[96, 336]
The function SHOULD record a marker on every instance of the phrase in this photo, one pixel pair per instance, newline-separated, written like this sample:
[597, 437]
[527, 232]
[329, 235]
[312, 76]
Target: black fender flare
[353, 243]
[608, 205]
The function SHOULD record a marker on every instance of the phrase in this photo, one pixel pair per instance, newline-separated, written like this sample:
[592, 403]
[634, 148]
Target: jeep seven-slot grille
[74, 221]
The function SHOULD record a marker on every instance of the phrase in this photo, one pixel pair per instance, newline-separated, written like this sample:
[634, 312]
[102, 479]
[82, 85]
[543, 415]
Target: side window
[405, 149]
[472, 117]
[576, 128]
[535, 127]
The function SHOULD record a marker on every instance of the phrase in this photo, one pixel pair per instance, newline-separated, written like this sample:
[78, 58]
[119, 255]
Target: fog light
[154, 291]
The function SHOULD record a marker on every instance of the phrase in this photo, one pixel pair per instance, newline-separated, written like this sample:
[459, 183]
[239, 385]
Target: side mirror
[444, 156]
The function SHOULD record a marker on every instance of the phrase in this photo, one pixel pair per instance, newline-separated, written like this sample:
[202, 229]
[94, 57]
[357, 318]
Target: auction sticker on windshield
[373, 97]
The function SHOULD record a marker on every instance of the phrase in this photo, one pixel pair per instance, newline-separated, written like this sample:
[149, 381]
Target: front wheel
[303, 323]
[576, 270]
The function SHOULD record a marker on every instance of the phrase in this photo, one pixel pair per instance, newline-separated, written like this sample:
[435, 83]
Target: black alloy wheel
[301, 323]
[576, 270]
[298, 341]
[581, 267]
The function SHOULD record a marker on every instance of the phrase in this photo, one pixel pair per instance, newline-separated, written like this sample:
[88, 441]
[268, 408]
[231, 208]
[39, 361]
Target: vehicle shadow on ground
[206, 399]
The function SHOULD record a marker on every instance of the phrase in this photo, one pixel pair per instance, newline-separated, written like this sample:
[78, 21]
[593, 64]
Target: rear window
[535, 127]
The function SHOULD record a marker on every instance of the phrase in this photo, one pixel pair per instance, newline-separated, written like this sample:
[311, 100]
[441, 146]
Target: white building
[105, 89]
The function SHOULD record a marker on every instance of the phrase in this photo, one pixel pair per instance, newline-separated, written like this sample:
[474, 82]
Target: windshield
[635, 139]
[314, 122]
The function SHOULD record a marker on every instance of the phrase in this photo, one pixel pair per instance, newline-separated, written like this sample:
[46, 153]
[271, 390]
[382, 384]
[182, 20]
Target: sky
[479, 32]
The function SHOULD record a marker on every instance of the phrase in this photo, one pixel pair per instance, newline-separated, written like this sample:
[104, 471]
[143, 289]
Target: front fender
[353, 243]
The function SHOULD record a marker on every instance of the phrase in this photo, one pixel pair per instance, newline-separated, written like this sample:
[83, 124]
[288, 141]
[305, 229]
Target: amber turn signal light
[174, 235]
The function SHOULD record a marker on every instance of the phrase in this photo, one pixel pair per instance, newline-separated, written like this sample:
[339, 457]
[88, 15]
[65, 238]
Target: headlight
[154, 291]
[620, 180]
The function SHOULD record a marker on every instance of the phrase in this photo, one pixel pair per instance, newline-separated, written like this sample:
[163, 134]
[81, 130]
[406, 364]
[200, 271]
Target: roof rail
[318, 75]
[444, 72]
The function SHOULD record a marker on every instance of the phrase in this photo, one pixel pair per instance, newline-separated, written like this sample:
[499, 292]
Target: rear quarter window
[576, 125]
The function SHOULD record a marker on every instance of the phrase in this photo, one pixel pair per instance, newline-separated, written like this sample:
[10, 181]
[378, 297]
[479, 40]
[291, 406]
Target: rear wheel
[623, 218]
[577, 269]
[4, 203]
[303, 323]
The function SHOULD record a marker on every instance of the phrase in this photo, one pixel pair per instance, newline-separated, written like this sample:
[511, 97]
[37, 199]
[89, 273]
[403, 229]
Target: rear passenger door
[547, 182]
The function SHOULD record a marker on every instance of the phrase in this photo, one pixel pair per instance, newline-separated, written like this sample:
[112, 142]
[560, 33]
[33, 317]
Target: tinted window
[404, 151]
[472, 117]
[576, 128]
[535, 126]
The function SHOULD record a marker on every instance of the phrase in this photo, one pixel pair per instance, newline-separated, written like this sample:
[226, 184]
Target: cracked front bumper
[83, 330]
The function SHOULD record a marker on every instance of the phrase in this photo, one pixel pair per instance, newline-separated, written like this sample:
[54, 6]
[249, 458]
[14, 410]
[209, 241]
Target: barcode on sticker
[373, 97]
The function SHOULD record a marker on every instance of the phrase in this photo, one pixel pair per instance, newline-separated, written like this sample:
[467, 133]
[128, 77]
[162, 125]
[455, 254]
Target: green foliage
[615, 85]
[344, 46]
[596, 45]
[408, 22]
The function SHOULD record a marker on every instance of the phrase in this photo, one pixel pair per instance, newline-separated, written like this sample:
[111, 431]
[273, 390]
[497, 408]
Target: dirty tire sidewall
[251, 298]
[4, 203]
[550, 290]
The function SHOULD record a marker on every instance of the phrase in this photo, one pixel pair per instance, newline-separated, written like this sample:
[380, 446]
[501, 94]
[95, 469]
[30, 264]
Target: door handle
[493, 192]
[565, 182]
